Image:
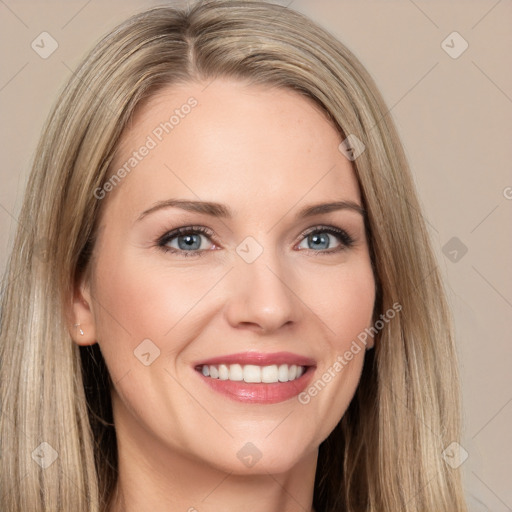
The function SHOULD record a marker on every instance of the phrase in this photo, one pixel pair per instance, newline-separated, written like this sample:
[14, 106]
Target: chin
[255, 458]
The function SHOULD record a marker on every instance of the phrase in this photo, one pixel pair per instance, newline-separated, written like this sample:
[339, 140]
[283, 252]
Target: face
[212, 271]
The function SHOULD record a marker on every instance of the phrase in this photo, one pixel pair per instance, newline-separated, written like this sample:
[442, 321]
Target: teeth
[252, 373]
[285, 374]
[236, 372]
[270, 374]
[223, 372]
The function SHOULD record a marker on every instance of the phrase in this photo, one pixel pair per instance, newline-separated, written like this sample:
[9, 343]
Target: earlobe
[79, 329]
[82, 325]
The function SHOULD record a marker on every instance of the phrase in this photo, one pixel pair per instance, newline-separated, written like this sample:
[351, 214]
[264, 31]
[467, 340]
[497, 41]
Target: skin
[266, 153]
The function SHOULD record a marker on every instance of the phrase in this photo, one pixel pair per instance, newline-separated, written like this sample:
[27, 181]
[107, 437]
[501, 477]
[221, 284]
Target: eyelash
[346, 241]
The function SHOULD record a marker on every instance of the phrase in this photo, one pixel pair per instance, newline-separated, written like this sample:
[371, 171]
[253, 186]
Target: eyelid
[183, 230]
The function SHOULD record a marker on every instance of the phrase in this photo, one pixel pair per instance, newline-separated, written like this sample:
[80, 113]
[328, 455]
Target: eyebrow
[223, 211]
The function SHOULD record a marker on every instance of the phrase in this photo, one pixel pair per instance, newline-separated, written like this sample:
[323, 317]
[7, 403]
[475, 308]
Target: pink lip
[259, 359]
[259, 393]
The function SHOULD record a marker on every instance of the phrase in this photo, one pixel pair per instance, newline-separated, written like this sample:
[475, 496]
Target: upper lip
[259, 359]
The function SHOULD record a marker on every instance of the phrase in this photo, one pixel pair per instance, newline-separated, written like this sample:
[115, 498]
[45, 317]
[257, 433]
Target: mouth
[257, 378]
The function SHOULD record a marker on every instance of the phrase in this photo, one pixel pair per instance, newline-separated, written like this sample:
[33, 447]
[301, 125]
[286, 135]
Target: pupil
[320, 240]
[189, 242]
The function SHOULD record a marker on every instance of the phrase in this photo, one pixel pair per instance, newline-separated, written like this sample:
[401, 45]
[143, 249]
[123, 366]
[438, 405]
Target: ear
[82, 316]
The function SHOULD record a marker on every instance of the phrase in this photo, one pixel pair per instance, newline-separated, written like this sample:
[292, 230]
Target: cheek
[138, 299]
[344, 300]
[345, 305]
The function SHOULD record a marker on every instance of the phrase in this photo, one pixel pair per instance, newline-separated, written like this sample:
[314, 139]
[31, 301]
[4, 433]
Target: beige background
[454, 118]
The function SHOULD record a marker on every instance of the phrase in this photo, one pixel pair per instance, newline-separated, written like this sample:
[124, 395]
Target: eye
[326, 239]
[186, 240]
[189, 240]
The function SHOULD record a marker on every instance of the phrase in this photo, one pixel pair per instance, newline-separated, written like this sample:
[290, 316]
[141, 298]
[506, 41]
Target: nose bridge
[261, 291]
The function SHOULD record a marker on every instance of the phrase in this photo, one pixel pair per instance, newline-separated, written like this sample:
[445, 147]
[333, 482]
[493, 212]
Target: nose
[261, 296]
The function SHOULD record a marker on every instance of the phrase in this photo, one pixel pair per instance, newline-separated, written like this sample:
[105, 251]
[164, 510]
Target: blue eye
[187, 241]
[320, 239]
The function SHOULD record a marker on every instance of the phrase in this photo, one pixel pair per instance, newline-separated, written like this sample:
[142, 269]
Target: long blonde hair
[386, 453]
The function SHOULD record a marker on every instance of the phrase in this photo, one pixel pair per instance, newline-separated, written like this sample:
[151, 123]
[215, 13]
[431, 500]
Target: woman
[228, 296]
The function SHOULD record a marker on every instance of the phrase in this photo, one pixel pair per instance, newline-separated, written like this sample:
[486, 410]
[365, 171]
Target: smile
[256, 377]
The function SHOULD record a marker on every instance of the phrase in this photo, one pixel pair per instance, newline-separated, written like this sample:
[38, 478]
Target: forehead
[231, 142]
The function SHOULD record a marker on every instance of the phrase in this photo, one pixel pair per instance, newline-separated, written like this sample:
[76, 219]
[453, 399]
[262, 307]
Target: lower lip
[260, 393]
